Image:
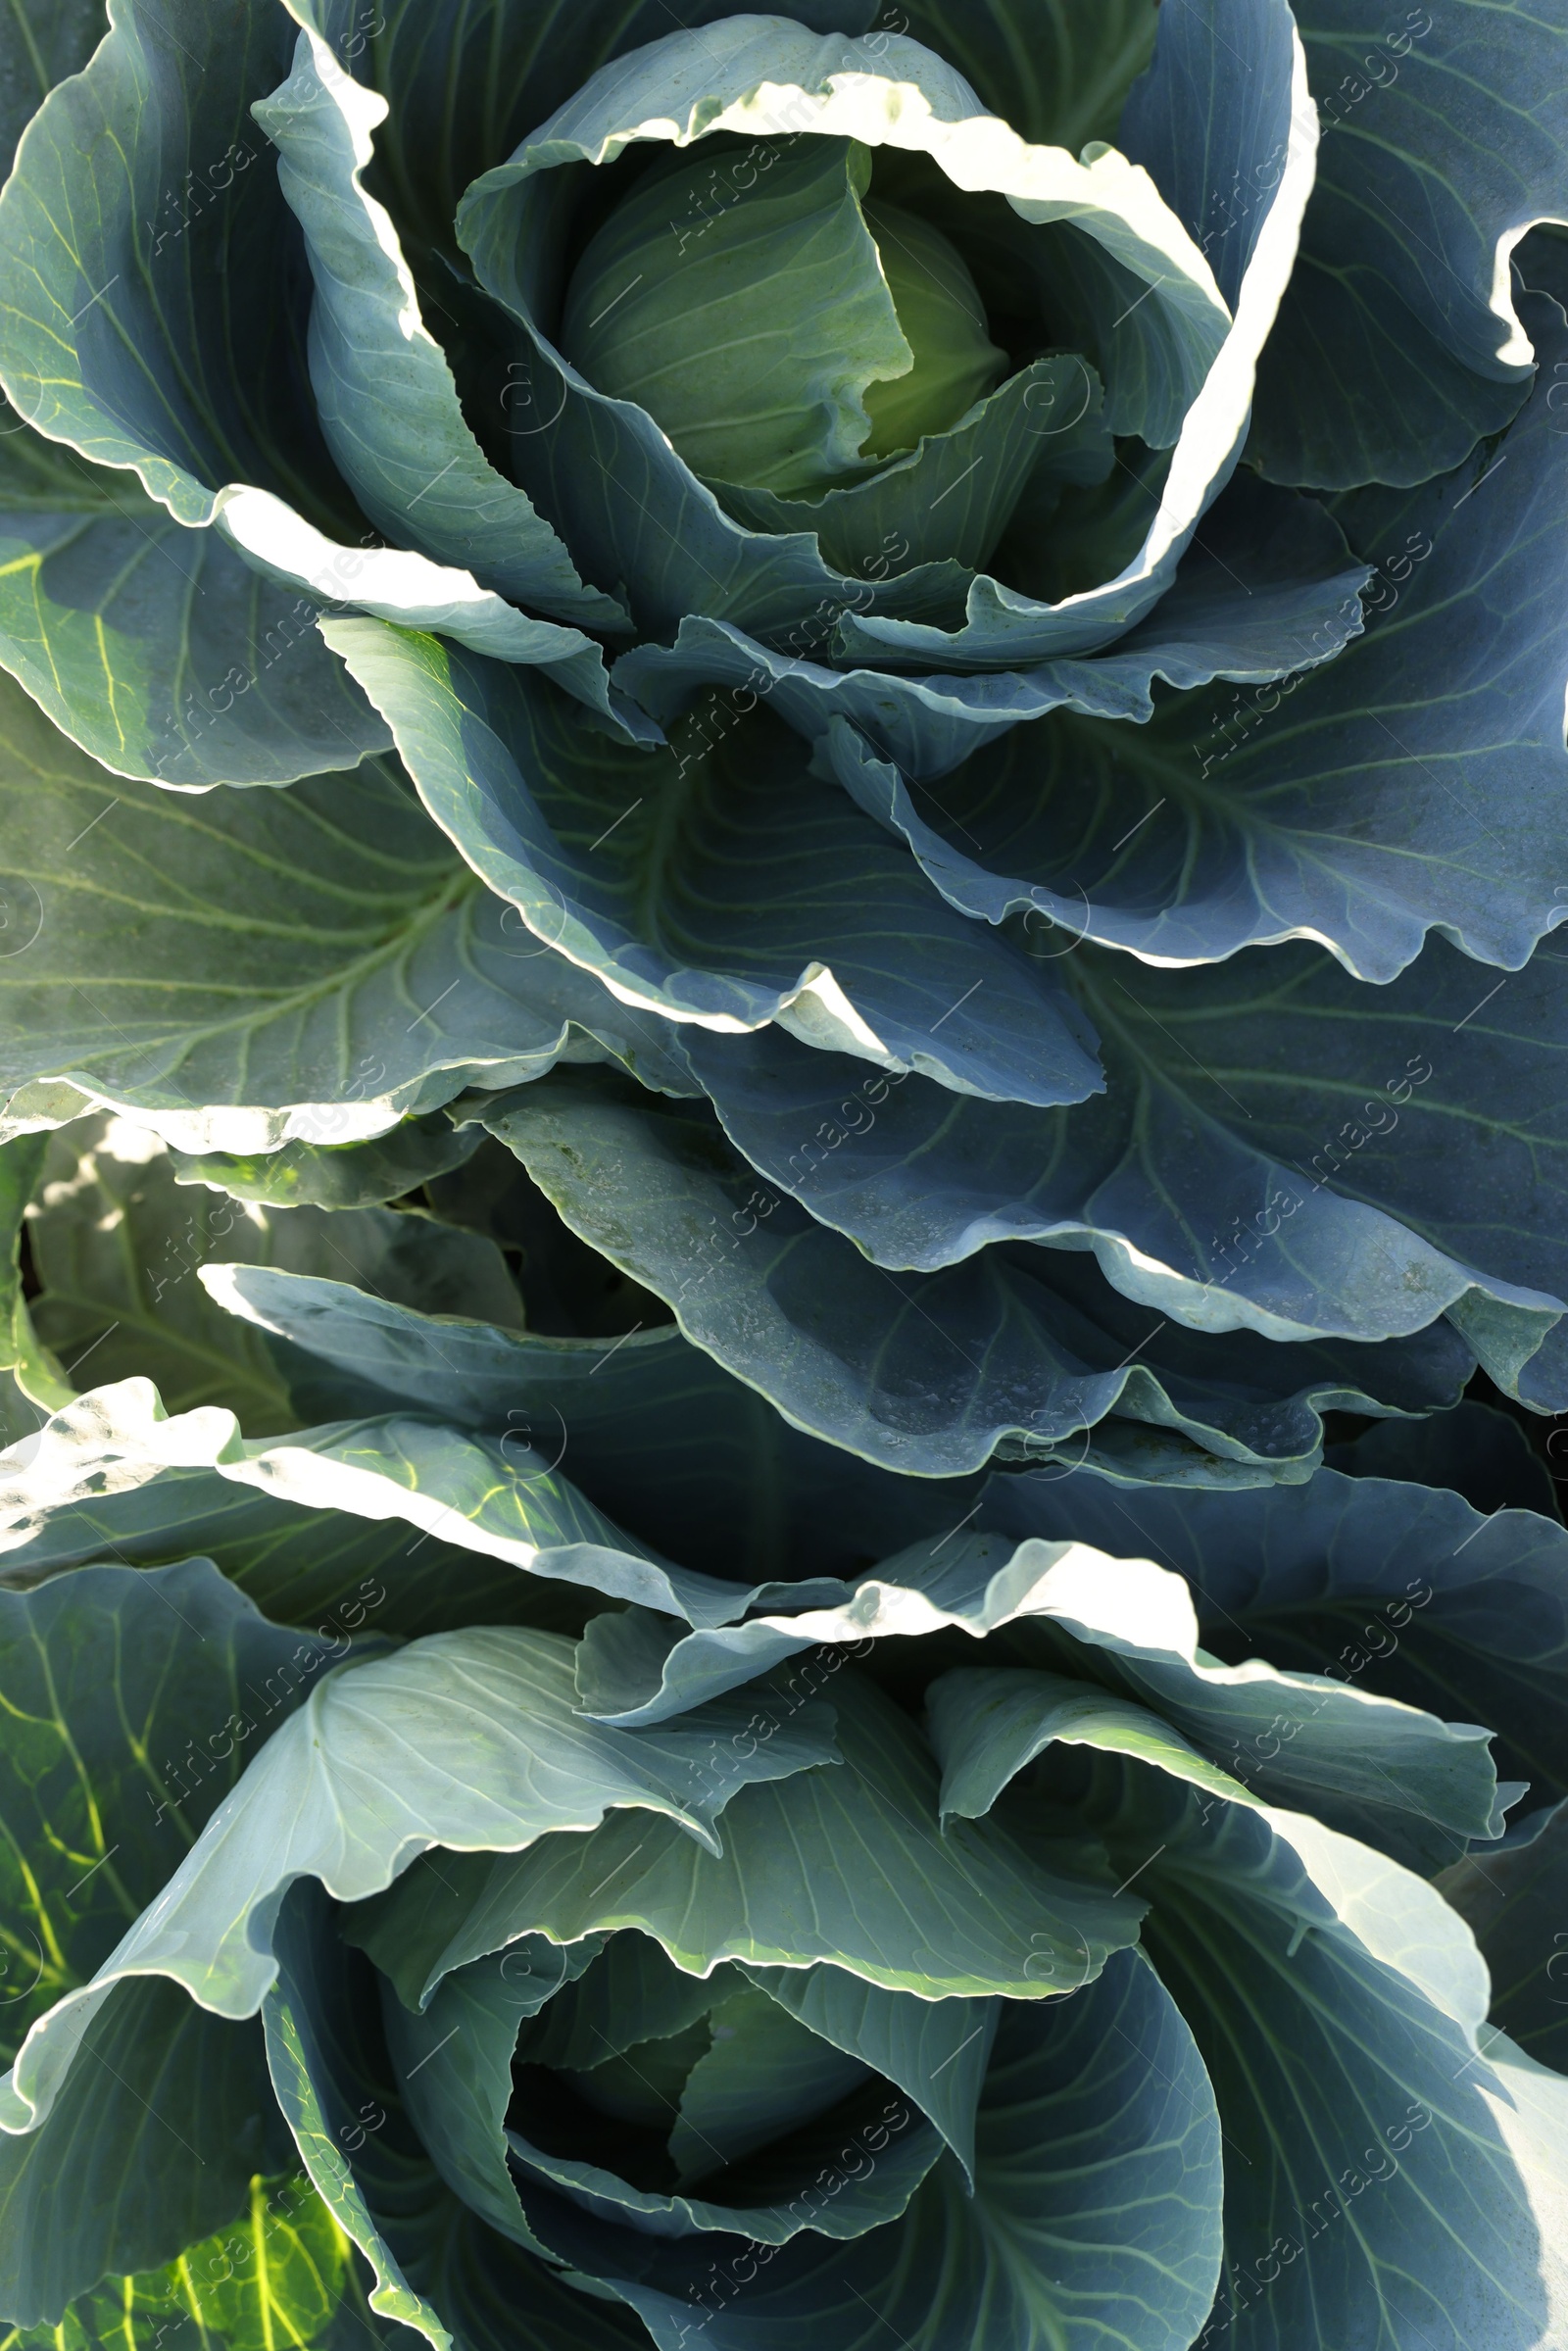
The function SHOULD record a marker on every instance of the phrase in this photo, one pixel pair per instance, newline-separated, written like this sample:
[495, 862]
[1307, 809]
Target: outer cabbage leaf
[105, 1674]
[466, 1740]
[1219, 1180]
[1019, 1349]
[722, 886]
[384, 393]
[116, 1246]
[158, 649]
[249, 967]
[1445, 138]
[1414, 782]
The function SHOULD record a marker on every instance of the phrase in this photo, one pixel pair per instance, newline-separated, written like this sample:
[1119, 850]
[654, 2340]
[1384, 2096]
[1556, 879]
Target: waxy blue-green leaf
[1211, 122]
[720, 884]
[1060, 78]
[1279, 1149]
[468, 86]
[1512, 1896]
[1400, 1779]
[466, 1740]
[1291, 604]
[1412, 1786]
[1380, 2157]
[1445, 137]
[113, 1480]
[1015, 1350]
[491, 1496]
[755, 352]
[109, 1677]
[437, 2268]
[137, 192]
[1095, 2217]
[384, 393]
[158, 649]
[1374, 1581]
[846, 1866]
[224, 961]
[656, 1433]
[1414, 783]
[794, 2104]
[454, 2061]
[937, 2051]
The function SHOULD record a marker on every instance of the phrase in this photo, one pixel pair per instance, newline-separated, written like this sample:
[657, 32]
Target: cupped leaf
[155, 648]
[253, 966]
[399, 585]
[1059, 79]
[105, 1675]
[1094, 2216]
[1512, 1896]
[464, 88]
[759, 2092]
[1412, 783]
[846, 1866]
[1372, 1581]
[1445, 138]
[123, 346]
[1118, 1638]
[937, 2051]
[384, 393]
[1293, 603]
[141, 184]
[653, 1431]
[465, 1740]
[951, 499]
[1375, 2159]
[755, 350]
[493, 1495]
[114, 1478]
[767, 77]
[1207, 403]
[438, 2269]
[1014, 1349]
[718, 883]
[1229, 72]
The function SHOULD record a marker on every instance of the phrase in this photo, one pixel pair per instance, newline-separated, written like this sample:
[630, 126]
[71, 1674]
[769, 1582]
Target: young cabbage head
[784, 332]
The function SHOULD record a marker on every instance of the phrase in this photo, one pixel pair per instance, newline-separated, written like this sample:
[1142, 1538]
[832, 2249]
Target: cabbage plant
[544, 1852]
[782, 812]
